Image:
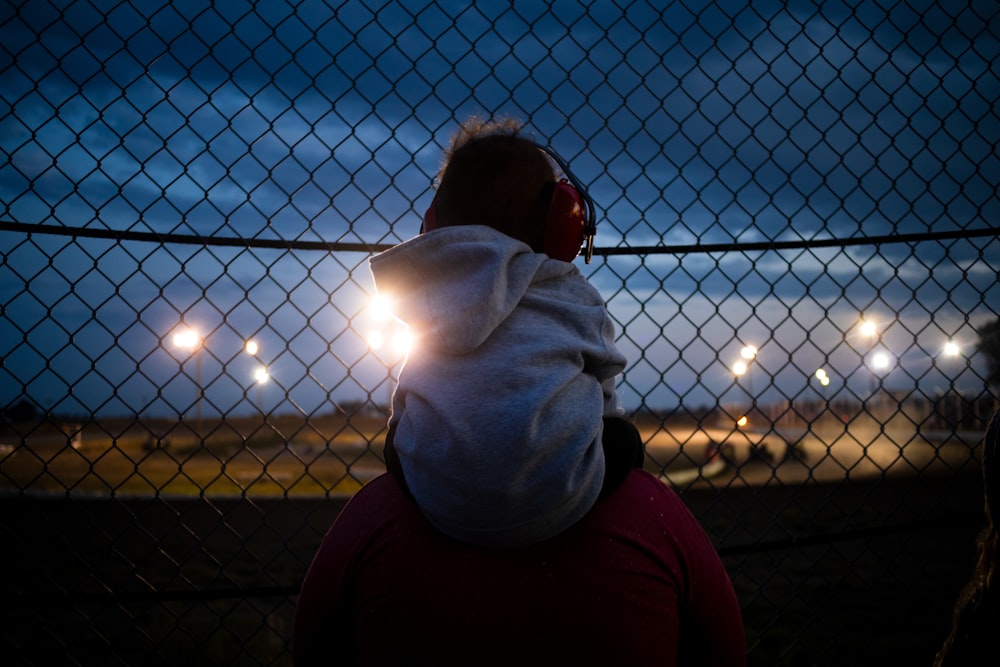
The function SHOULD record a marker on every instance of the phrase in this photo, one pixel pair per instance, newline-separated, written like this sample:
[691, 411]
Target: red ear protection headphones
[570, 223]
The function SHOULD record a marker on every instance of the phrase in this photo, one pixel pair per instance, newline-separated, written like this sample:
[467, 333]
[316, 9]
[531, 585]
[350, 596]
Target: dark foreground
[851, 573]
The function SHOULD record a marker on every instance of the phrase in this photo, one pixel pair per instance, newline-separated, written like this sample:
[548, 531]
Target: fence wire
[797, 240]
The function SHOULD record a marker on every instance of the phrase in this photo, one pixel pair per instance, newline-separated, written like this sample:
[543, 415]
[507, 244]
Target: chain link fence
[797, 239]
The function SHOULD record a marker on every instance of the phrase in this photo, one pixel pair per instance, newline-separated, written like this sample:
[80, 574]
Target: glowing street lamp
[880, 361]
[187, 338]
[868, 328]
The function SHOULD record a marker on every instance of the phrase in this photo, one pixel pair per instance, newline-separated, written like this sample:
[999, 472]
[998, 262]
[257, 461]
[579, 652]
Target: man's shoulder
[639, 493]
[379, 500]
[642, 504]
[644, 487]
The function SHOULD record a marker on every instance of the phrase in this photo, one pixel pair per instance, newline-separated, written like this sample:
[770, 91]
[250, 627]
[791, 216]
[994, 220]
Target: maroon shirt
[635, 582]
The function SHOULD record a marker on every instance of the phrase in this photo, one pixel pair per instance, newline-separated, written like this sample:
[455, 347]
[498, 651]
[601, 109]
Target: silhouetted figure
[976, 623]
[514, 526]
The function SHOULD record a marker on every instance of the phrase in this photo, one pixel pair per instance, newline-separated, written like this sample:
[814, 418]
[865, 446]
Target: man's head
[493, 176]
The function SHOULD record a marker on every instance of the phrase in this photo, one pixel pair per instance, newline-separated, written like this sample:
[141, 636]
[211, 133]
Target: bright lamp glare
[951, 349]
[739, 368]
[187, 339]
[881, 361]
[748, 352]
[868, 328]
[252, 348]
[261, 375]
[380, 307]
[402, 341]
[376, 339]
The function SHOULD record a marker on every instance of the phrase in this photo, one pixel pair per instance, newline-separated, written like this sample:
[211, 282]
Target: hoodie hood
[498, 412]
[455, 285]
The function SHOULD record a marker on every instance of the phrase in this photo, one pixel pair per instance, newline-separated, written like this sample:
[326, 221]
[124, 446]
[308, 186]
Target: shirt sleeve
[323, 631]
[711, 628]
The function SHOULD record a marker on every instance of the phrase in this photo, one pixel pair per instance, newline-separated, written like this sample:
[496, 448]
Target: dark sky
[314, 121]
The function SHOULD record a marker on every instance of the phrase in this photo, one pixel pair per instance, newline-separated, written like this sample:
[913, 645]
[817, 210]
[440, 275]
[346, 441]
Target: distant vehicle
[742, 444]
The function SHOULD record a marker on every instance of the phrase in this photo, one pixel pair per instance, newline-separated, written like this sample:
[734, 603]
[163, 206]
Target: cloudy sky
[322, 124]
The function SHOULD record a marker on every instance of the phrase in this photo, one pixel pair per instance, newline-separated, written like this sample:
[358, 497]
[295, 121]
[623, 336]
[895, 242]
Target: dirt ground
[848, 573]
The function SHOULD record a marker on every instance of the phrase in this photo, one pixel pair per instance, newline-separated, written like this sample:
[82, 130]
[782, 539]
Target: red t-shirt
[635, 582]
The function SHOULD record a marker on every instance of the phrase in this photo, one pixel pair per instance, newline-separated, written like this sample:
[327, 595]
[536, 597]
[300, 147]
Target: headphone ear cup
[565, 223]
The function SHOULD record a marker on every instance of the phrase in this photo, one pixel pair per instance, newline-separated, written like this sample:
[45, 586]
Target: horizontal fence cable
[337, 246]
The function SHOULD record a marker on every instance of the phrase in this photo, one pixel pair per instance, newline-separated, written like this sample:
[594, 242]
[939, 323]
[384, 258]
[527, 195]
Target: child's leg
[392, 463]
[622, 451]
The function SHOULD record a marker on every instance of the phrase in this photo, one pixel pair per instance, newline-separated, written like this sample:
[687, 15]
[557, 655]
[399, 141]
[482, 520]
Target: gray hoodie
[499, 408]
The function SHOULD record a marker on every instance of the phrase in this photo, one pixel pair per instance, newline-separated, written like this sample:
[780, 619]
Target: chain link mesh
[191, 193]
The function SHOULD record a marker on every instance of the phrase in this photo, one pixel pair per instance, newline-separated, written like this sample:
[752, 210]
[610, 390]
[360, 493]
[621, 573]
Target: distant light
[951, 349]
[739, 368]
[748, 352]
[261, 375]
[187, 339]
[252, 348]
[868, 328]
[742, 421]
[820, 374]
[881, 361]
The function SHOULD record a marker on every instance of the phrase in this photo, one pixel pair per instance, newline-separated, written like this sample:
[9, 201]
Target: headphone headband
[571, 223]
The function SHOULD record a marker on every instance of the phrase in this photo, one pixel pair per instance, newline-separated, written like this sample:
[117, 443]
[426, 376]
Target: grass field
[841, 574]
[200, 564]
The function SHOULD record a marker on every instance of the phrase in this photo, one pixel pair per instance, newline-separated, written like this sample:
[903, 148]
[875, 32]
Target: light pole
[188, 338]
[880, 362]
[742, 367]
[868, 328]
[261, 375]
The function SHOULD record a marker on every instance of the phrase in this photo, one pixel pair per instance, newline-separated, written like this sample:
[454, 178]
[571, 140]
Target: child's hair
[493, 176]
